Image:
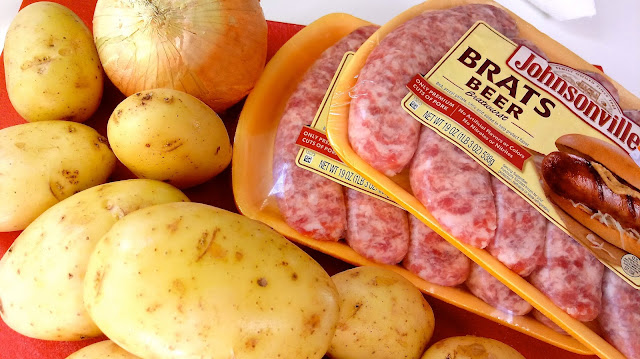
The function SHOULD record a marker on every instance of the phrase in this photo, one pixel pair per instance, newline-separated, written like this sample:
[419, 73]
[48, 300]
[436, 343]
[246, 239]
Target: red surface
[450, 321]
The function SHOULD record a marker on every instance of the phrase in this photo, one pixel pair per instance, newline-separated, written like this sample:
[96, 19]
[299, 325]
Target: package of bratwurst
[286, 175]
[511, 148]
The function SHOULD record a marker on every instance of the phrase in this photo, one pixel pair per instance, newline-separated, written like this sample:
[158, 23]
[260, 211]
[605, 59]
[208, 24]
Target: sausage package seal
[513, 149]
[281, 168]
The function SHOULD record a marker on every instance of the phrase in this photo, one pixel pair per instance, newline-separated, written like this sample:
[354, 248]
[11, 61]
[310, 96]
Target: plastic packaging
[256, 190]
[389, 167]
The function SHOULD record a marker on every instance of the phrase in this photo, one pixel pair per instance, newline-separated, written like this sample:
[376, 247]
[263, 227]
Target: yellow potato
[44, 163]
[187, 280]
[382, 315]
[42, 273]
[471, 347]
[51, 65]
[102, 350]
[170, 136]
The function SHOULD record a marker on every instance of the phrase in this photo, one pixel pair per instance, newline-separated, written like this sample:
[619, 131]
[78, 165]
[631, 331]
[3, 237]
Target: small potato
[170, 136]
[382, 315]
[471, 347]
[42, 273]
[102, 350]
[52, 68]
[42, 163]
[187, 280]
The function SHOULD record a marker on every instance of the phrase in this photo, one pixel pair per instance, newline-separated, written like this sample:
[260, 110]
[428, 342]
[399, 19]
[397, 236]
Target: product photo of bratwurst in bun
[596, 183]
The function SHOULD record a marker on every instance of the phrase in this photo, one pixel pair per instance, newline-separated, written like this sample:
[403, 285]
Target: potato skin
[382, 315]
[46, 162]
[105, 349]
[471, 347]
[42, 273]
[52, 68]
[170, 136]
[187, 280]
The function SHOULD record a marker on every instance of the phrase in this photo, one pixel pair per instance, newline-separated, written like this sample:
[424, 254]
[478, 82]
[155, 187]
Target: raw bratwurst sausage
[546, 321]
[380, 131]
[620, 317]
[633, 115]
[376, 230]
[454, 188]
[520, 236]
[432, 258]
[484, 286]
[309, 203]
[571, 276]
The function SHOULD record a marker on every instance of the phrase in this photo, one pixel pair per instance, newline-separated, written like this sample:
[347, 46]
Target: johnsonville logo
[537, 70]
[515, 90]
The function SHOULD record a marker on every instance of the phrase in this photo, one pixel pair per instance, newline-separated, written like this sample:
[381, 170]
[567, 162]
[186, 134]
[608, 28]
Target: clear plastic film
[348, 224]
[458, 198]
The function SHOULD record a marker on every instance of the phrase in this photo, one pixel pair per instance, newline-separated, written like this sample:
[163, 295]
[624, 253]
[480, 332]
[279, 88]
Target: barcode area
[308, 157]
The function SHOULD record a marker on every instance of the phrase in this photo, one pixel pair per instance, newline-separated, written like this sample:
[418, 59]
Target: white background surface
[611, 38]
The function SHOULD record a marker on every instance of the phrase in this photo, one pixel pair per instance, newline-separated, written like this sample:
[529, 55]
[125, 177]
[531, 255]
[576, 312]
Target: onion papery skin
[214, 50]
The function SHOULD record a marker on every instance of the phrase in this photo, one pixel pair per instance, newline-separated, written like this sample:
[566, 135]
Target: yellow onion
[214, 50]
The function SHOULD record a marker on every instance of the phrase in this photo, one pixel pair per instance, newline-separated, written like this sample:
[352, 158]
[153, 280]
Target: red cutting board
[450, 320]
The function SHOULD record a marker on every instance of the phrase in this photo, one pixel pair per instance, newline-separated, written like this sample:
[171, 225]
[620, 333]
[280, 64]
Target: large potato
[471, 347]
[105, 349]
[382, 315]
[170, 136]
[51, 65]
[42, 273]
[42, 163]
[187, 280]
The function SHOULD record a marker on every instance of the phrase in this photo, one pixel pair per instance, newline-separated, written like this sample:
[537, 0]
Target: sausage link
[620, 317]
[520, 235]
[633, 115]
[380, 131]
[434, 259]
[376, 230]
[571, 276]
[455, 189]
[548, 322]
[484, 286]
[309, 203]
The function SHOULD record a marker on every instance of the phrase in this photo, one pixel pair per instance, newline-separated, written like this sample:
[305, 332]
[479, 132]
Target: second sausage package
[513, 149]
[285, 174]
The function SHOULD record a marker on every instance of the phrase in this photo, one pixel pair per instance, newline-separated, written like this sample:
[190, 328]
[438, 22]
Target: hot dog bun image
[596, 183]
